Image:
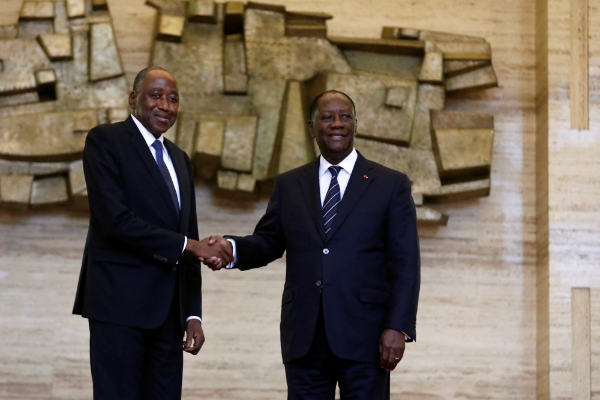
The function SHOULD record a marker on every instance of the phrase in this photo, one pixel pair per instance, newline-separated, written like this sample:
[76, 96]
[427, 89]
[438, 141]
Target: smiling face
[333, 127]
[156, 103]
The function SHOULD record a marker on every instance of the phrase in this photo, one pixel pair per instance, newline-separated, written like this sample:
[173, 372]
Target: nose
[337, 122]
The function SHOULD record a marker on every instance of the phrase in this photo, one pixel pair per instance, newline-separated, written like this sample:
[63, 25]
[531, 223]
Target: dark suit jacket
[368, 269]
[132, 265]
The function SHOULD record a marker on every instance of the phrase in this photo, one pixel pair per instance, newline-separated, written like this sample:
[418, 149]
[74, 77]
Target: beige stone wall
[477, 316]
[573, 206]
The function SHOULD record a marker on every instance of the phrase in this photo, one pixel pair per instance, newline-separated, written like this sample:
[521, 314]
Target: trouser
[315, 376]
[135, 364]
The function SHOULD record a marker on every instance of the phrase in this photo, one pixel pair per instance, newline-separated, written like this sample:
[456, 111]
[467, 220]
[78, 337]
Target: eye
[174, 99]
[326, 117]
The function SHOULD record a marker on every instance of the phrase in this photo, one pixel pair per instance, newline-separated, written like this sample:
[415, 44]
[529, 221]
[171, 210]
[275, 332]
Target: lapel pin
[366, 176]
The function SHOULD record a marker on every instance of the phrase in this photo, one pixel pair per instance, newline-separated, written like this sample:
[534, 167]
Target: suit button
[325, 251]
[319, 283]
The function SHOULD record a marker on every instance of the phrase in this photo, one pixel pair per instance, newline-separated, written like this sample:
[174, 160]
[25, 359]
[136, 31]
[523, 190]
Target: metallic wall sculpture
[246, 74]
[61, 75]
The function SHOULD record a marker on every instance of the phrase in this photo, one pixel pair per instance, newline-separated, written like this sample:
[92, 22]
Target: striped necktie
[332, 199]
[165, 172]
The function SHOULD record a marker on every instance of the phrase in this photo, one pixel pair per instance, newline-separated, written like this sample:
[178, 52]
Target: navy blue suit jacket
[368, 269]
[132, 266]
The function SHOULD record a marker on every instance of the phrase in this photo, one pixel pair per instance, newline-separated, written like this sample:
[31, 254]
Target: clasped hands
[214, 251]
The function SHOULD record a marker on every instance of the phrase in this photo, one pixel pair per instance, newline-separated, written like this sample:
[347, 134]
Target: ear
[311, 129]
[133, 100]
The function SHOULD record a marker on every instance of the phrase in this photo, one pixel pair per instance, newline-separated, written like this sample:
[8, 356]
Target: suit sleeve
[403, 261]
[109, 205]
[267, 243]
[193, 271]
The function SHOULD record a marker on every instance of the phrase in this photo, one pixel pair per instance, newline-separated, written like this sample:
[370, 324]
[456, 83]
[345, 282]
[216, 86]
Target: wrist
[189, 245]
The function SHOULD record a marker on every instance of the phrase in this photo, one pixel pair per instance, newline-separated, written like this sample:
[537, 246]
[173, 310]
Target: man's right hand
[215, 250]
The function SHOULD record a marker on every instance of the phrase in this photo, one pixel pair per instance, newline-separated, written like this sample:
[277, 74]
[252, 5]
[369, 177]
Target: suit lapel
[358, 183]
[309, 182]
[144, 152]
[184, 184]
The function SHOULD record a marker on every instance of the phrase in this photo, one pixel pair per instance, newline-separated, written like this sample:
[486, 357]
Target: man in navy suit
[140, 278]
[349, 228]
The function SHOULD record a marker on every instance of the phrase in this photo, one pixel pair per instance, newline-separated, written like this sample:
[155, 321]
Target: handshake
[214, 251]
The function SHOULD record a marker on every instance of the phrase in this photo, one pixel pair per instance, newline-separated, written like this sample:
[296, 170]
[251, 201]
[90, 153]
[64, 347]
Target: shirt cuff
[184, 246]
[193, 317]
[235, 259]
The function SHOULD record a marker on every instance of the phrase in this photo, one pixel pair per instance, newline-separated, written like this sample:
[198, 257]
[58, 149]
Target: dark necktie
[165, 172]
[332, 199]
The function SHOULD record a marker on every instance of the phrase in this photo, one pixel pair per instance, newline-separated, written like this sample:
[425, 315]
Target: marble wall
[492, 313]
[568, 198]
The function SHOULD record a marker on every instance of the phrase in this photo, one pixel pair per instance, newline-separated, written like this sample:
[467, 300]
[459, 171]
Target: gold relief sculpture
[61, 76]
[246, 74]
[264, 61]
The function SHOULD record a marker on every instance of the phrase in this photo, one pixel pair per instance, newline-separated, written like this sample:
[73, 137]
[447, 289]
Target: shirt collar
[347, 163]
[148, 137]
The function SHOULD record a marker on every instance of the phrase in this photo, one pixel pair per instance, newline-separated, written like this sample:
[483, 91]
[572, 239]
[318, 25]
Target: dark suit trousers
[136, 364]
[315, 376]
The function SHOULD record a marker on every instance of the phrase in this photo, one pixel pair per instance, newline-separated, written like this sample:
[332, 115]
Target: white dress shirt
[149, 138]
[343, 177]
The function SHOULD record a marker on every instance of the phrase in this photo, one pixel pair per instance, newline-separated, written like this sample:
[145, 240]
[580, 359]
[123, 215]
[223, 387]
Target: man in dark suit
[140, 278]
[350, 297]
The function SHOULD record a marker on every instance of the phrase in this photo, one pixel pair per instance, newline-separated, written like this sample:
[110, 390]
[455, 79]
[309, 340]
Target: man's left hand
[195, 334]
[391, 348]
